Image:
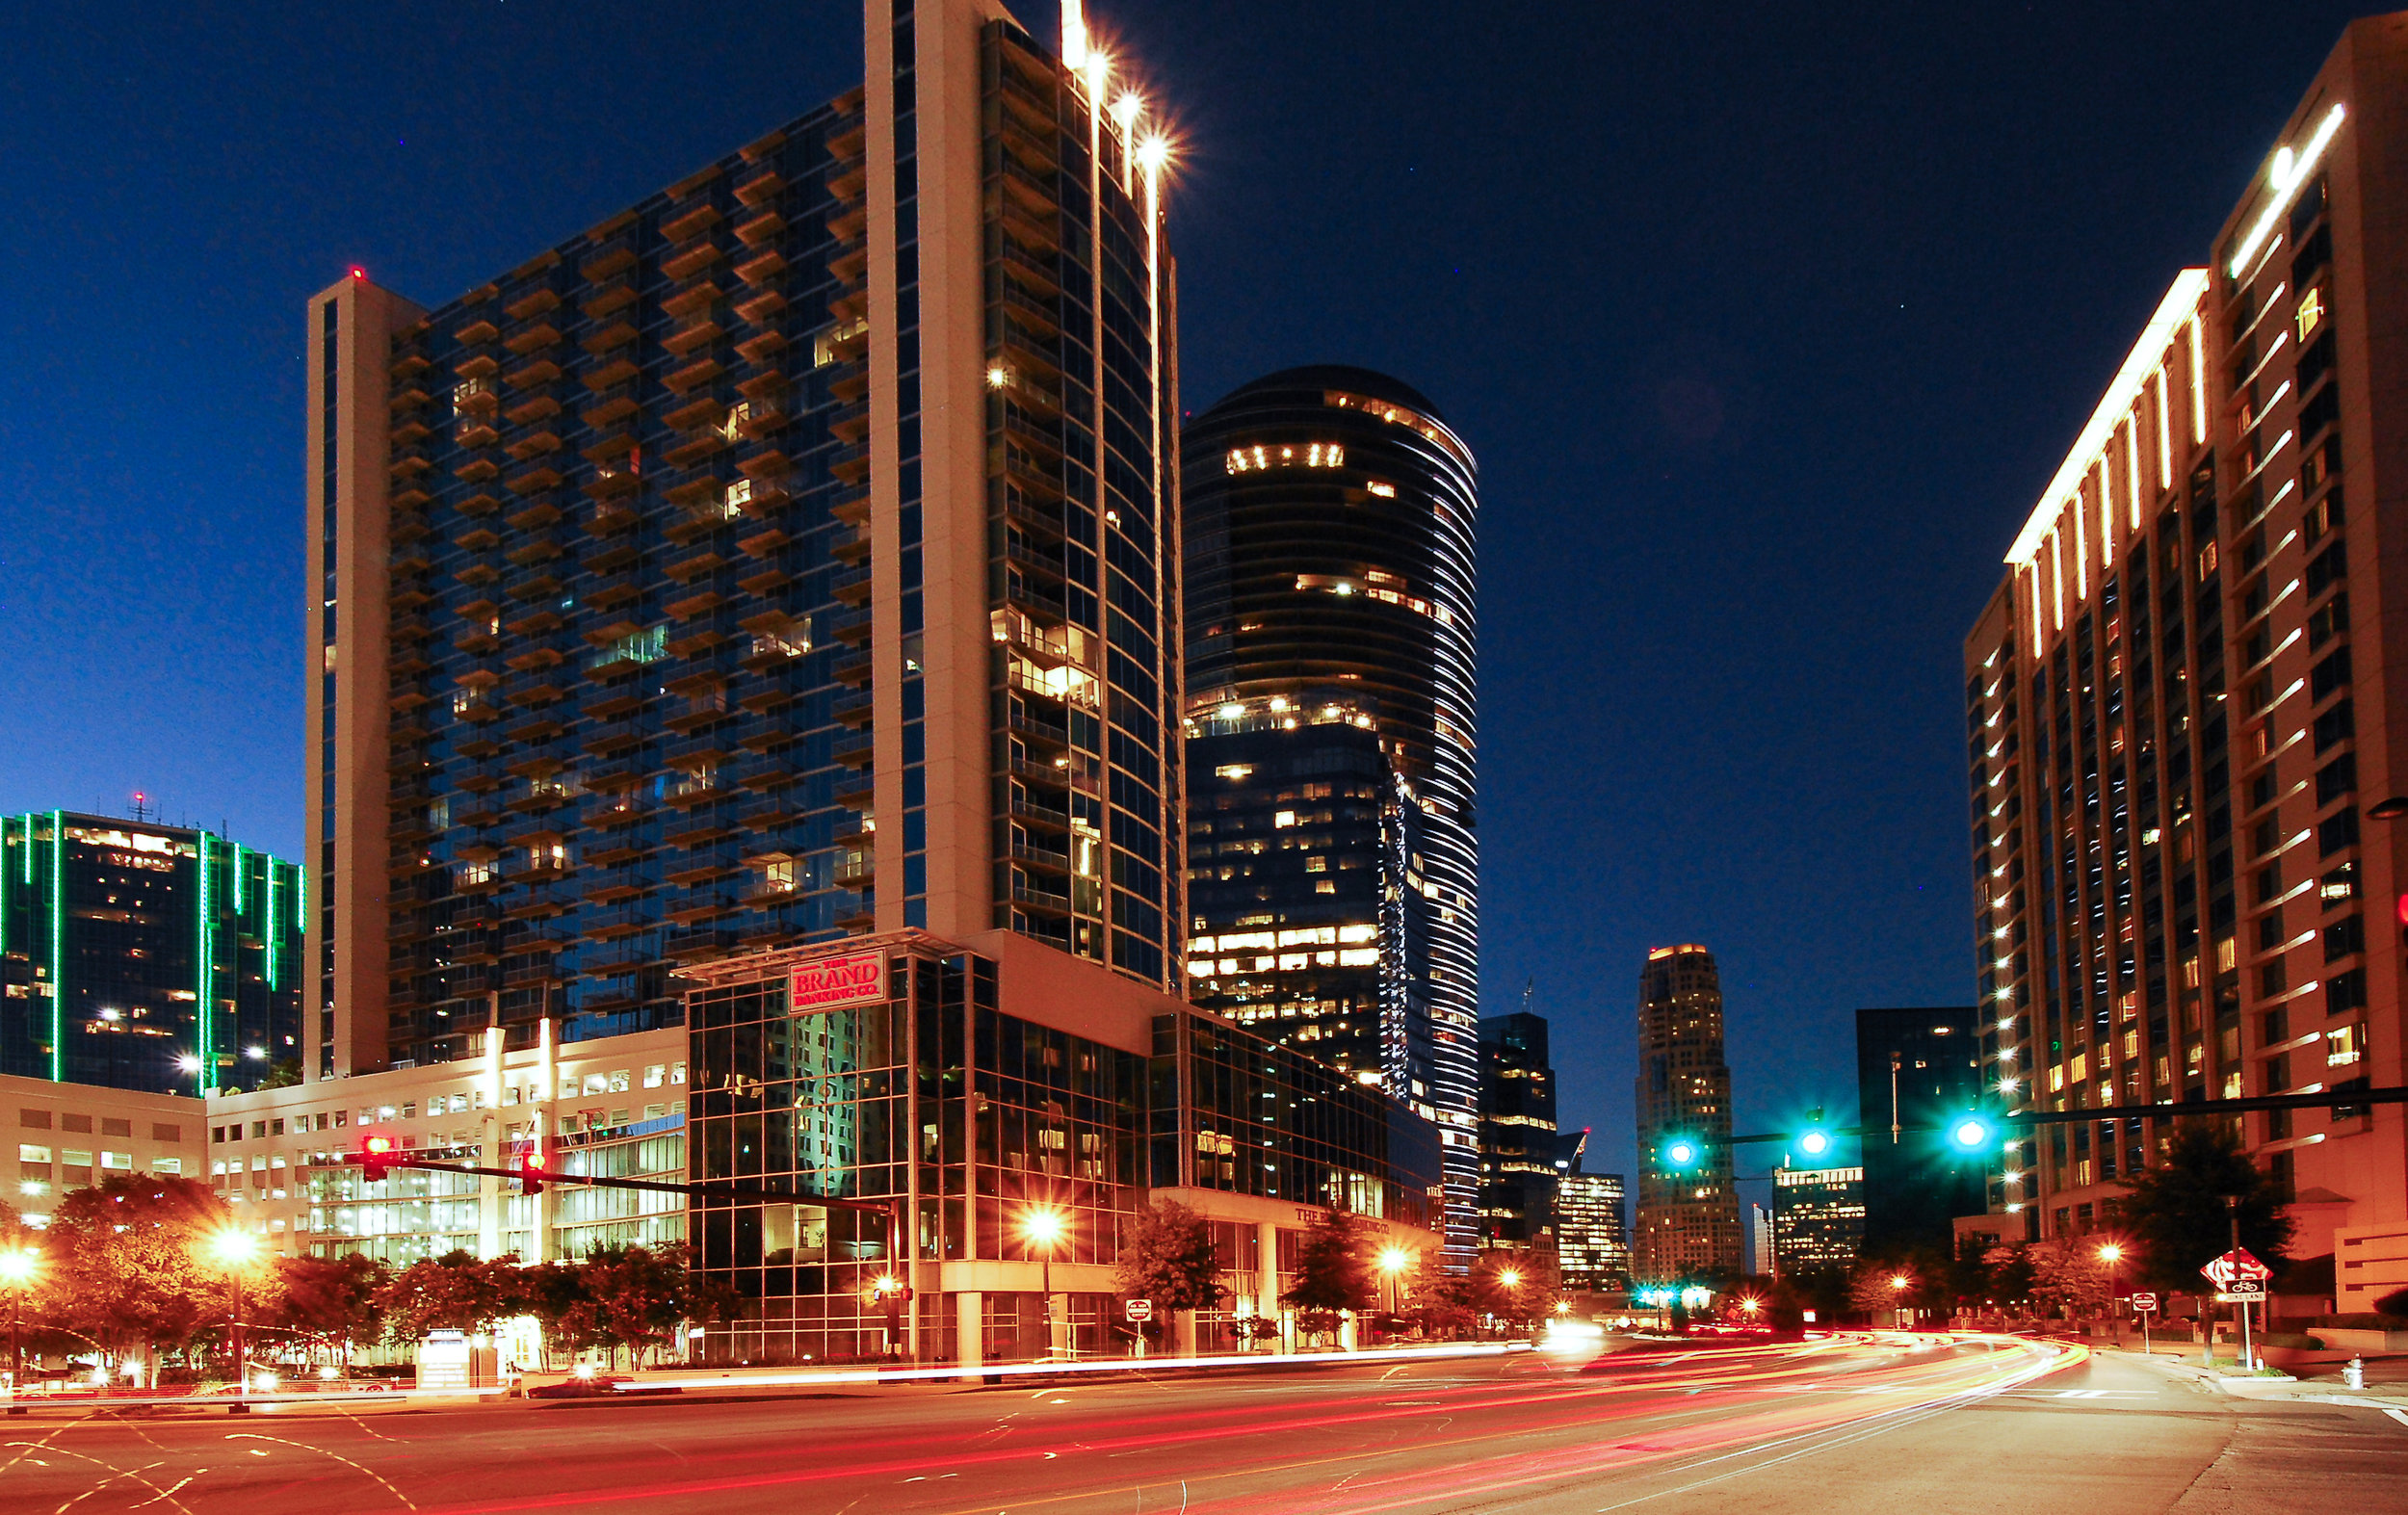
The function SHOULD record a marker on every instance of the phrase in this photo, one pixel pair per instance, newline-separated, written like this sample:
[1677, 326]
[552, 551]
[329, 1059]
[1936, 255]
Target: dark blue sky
[1766, 323]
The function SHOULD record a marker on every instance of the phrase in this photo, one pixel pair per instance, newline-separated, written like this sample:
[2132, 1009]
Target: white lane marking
[2401, 1415]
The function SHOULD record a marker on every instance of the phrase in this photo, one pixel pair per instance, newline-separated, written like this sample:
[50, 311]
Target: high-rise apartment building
[794, 554]
[1592, 1236]
[1688, 1210]
[143, 957]
[1915, 1068]
[2181, 704]
[1331, 529]
[1818, 1220]
[754, 622]
[1520, 1151]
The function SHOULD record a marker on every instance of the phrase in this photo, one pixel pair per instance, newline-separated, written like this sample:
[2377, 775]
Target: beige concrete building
[71, 1135]
[2184, 721]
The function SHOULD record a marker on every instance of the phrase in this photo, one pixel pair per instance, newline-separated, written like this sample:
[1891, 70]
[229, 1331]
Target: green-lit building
[143, 957]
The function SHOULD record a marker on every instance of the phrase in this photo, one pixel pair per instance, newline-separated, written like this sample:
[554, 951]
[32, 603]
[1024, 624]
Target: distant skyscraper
[1914, 1069]
[1761, 1257]
[1592, 1242]
[1518, 1141]
[1818, 1218]
[1331, 587]
[2182, 692]
[1689, 1215]
[146, 957]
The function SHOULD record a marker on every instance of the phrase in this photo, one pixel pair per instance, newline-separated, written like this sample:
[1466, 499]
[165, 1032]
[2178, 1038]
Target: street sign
[1140, 1309]
[2144, 1304]
[2236, 1266]
[2243, 1294]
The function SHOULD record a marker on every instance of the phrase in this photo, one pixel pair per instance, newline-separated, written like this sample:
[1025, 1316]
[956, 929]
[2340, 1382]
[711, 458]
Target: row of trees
[137, 1269]
[1342, 1266]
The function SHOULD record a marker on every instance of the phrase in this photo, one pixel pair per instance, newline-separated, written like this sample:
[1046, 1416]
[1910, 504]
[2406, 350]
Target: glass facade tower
[137, 955]
[790, 555]
[1331, 581]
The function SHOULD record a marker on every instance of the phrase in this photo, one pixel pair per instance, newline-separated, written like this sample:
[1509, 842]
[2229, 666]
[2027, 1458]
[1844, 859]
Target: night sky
[1765, 323]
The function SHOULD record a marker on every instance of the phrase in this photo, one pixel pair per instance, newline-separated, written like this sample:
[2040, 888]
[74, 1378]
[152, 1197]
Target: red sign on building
[833, 984]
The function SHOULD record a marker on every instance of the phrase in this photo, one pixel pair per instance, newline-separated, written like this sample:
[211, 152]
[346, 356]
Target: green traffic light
[1815, 1144]
[1970, 1132]
[1681, 1153]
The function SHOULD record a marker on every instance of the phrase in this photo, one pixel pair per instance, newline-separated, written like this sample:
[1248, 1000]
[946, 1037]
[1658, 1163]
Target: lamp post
[1898, 1292]
[236, 1250]
[17, 1267]
[2112, 1255]
[1511, 1279]
[1043, 1226]
[1392, 1262]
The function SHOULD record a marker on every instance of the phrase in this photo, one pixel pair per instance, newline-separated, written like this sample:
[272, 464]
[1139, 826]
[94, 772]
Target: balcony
[855, 749]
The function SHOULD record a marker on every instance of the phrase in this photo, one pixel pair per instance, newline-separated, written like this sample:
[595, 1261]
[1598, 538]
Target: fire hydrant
[2355, 1374]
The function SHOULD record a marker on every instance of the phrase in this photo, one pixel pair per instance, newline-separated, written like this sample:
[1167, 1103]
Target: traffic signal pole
[2169, 1110]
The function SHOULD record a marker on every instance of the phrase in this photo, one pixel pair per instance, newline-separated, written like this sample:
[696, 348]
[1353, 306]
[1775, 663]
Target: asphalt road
[1857, 1426]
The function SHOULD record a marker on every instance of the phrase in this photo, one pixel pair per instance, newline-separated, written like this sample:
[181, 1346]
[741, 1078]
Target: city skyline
[1809, 972]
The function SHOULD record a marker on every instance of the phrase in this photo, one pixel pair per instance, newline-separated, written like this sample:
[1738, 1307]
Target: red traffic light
[376, 1157]
[534, 1166]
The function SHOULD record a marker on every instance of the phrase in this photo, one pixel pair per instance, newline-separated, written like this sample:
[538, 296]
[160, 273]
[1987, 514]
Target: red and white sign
[2144, 1304]
[1140, 1309]
[2236, 1266]
[833, 984]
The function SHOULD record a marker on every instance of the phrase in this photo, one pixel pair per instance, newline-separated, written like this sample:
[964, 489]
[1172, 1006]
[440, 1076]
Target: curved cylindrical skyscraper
[1332, 582]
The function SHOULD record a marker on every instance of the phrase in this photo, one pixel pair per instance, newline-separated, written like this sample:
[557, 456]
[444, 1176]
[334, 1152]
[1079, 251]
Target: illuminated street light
[1043, 1226]
[18, 1267]
[235, 1251]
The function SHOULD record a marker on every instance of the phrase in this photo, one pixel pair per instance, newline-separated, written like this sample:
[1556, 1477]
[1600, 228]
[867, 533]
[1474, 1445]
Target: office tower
[790, 555]
[1818, 1220]
[1518, 1141]
[1303, 924]
[2178, 705]
[144, 956]
[1761, 1256]
[1592, 1242]
[1331, 520]
[1916, 1069]
[1689, 1215]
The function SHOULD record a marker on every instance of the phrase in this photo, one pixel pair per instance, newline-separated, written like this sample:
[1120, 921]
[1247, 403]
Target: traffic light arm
[2397, 1095]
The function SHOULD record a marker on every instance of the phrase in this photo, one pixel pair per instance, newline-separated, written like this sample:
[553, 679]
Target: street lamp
[1898, 1283]
[234, 1251]
[18, 1267]
[1043, 1226]
[2112, 1255]
[1393, 1261]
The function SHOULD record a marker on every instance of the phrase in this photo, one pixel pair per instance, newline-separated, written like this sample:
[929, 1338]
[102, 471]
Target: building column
[970, 1328]
[1266, 1280]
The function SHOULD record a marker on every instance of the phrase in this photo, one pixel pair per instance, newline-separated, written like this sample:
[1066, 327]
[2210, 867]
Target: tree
[1437, 1301]
[2011, 1271]
[450, 1293]
[2175, 1216]
[331, 1301]
[1876, 1287]
[634, 1297]
[1527, 1298]
[1169, 1259]
[128, 1270]
[2068, 1275]
[1333, 1270]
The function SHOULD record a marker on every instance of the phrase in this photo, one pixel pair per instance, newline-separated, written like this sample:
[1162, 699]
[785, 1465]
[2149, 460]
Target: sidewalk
[2387, 1379]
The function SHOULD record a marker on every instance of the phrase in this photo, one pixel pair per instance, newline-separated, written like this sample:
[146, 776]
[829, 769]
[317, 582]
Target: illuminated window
[1382, 489]
[1283, 819]
[1294, 455]
[1317, 865]
[2311, 312]
[2345, 1045]
[1234, 771]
